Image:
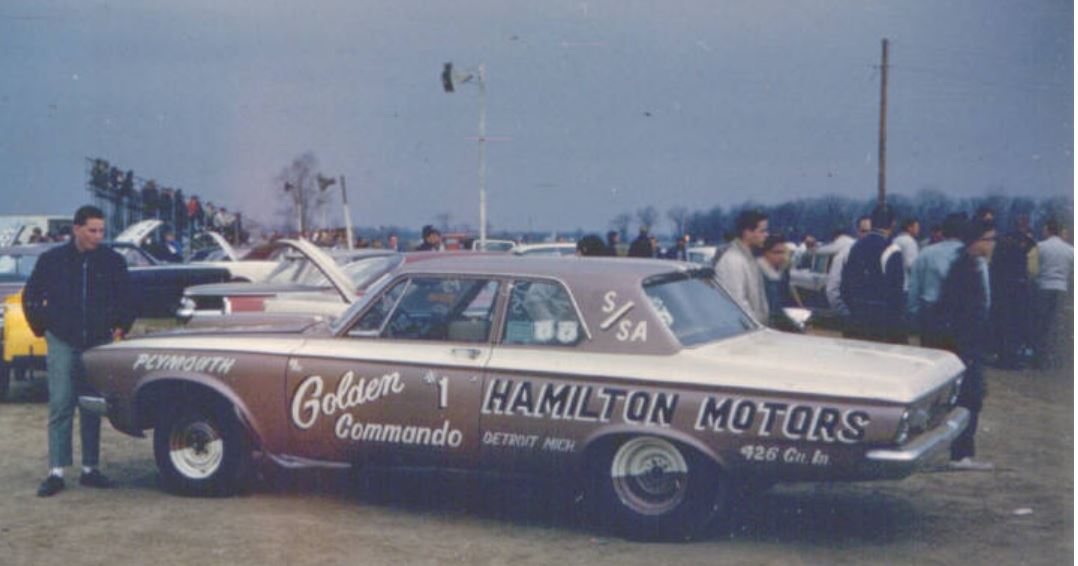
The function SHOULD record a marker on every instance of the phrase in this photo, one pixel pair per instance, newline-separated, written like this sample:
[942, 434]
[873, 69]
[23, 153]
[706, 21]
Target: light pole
[450, 78]
[327, 182]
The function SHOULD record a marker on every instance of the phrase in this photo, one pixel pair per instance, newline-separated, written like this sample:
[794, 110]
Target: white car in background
[702, 255]
[546, 249]
[808, 279]
[323, 278]
[493, 245]
[215, 252]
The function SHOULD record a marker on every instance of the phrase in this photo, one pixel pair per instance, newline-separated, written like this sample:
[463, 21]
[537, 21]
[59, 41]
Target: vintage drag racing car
[640, 377]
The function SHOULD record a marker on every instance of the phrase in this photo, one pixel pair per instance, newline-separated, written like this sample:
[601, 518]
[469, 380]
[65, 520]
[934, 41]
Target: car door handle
[470, 353]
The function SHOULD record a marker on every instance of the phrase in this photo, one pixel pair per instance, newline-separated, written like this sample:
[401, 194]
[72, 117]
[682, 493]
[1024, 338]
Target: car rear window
[695, 307]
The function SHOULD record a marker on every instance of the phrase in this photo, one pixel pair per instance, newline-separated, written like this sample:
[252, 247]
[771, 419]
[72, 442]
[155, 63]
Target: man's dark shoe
[51, 486]
[95, 479]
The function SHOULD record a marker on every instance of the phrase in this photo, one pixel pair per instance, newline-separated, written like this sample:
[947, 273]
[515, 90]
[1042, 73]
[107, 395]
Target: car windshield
[364, 271]
[15, 268]
[695, 307]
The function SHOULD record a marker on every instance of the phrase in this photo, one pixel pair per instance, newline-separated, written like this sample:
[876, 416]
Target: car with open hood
[640, 379]
[209, 249]
[304, 271]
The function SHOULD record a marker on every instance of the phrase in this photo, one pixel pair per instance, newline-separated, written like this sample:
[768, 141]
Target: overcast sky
[597, 107]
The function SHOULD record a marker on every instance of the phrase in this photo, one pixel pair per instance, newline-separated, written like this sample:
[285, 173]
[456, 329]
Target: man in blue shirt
[927, 274]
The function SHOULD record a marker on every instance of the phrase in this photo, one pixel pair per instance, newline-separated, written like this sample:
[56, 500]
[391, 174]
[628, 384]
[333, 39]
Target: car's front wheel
[649, 488]
[201, 449]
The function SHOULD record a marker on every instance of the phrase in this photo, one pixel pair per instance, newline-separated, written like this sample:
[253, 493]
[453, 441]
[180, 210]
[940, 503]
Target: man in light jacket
[738, 271]
[1056, 274]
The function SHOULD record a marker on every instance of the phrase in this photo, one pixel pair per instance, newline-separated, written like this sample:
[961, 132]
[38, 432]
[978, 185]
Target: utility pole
[482, 83]
[882, 185]
[450, 78]
[347, 217]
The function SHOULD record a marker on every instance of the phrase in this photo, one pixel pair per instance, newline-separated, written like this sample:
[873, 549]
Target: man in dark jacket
[872, 283]
[1010, 317]
[964, 308]
[612, 239]
[641, 246]
[77, 297]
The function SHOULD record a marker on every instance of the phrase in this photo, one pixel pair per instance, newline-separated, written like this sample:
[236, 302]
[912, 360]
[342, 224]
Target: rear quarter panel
[251, 376]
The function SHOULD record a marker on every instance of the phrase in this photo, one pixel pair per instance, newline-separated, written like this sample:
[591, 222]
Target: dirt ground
[1021, 513]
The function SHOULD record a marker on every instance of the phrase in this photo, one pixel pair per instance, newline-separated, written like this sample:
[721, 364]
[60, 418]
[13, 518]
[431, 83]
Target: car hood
[820, 365]
[248, 289]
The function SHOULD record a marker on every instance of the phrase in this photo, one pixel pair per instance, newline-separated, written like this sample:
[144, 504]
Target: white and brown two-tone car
[641, 377]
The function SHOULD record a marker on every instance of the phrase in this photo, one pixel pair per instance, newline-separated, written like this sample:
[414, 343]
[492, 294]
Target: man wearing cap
[432, 240]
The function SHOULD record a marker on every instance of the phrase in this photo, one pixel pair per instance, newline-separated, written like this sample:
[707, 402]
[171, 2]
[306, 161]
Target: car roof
[352, 255]
[569, 269]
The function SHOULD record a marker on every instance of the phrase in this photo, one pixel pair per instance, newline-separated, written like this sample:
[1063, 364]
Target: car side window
[372, 320]
[449, 309]
[541, 313]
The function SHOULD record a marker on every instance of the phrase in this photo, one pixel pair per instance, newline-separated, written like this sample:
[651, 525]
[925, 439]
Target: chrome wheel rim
[196, 449]
[649, 475]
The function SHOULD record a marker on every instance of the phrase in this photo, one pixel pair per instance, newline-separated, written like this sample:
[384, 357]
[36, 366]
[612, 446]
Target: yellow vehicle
[23, 351]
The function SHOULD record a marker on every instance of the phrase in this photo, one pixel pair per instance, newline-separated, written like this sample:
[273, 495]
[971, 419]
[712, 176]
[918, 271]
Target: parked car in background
[546, 249]
[328, 277]
[640, 381]
[156, 289]
[808, 279]
[701, 255]
[494, 245]
[16, 265]
[209, 249]
[16, 229]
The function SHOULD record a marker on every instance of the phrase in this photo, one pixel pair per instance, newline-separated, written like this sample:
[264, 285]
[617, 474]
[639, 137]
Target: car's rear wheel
[201, 449]
[649, 488]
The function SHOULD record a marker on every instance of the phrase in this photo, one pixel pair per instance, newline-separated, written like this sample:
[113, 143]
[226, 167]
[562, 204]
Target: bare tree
[299, 182]
[620, 223]
[679, 215]
[647, 216]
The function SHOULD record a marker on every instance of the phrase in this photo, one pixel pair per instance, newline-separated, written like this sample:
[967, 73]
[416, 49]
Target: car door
[535, 413]
[403, 385]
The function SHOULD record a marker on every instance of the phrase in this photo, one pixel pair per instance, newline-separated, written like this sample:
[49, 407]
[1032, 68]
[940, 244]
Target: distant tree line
[822, 216]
